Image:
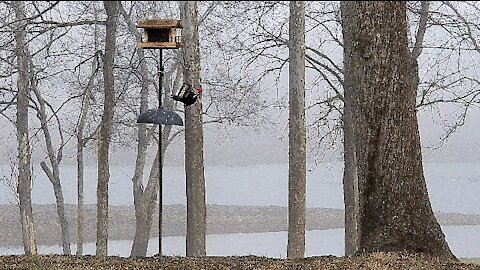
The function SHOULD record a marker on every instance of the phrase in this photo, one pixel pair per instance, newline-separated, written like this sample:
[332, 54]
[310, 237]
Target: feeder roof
[155, 23]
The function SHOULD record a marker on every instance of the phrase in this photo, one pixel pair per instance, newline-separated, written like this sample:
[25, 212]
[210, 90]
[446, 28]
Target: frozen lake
[453, 187]
[463, 240]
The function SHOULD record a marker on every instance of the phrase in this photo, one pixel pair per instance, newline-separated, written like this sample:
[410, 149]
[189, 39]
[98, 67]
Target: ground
[377, 261]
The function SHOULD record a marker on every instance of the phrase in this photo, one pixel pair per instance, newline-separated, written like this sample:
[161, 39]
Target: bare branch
[422, 26]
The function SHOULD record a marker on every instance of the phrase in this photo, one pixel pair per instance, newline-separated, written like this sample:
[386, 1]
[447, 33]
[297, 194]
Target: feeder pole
[160, 167]
[155, 31]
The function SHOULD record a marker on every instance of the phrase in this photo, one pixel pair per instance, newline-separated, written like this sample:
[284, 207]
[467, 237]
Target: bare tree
[449, 87]
[144, 197]
[111, 7]
[144, 201]
[47, 115]
[54, 157]
[297, 163]
[394, 209]
[48, 67]
[24, 188]
[234, 95]
[194, 168]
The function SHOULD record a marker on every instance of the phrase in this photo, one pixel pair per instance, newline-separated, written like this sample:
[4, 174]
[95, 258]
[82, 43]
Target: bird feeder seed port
[160, 34]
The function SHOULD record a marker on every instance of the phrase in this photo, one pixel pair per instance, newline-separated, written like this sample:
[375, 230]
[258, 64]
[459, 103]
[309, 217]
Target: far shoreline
[221, 219]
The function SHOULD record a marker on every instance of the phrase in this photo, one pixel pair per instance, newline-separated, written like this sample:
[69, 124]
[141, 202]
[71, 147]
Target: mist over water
[453, 187]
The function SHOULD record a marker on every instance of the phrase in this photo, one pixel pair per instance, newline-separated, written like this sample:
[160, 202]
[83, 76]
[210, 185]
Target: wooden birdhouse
[160, 34]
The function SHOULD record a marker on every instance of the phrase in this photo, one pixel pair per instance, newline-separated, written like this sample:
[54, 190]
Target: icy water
[453, 187]
[463, 240]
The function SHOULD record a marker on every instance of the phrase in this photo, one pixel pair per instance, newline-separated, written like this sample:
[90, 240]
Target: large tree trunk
[24, 188]
[394, 209]
[194, 168]
[297, 163]
[111, 8]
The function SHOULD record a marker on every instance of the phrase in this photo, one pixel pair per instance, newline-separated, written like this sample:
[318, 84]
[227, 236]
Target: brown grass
[377, 261]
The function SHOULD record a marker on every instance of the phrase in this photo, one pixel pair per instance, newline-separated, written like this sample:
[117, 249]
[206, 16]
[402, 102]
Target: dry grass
[377, 261]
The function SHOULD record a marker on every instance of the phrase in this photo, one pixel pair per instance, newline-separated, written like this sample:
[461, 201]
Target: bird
[186, 96]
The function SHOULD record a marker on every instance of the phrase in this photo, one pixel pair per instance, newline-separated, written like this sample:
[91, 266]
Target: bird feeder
[160, 34]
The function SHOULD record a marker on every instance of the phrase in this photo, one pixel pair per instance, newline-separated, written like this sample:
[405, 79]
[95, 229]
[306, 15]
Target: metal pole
[160, 167]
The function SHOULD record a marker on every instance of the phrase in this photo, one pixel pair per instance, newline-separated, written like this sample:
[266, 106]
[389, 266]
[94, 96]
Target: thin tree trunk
[297, 174]
[54, 175]
[143, 204]
[194, 168]
[60, 205]
[80, 194]
[80, 161]
[422, 27]
[24, 188]
[350, 184]
[350, 179]
[395, 213]
[55, 159]
[111, 8]
[81, 143]
[145, 198]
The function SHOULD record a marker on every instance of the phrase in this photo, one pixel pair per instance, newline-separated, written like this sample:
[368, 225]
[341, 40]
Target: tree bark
[54, 178]
[194, 167]
[350, 183]
[145, 204]
[394, 209]
[80, 191]
[111, 7]
[24, 188]
[297, 166]
[350, 179]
